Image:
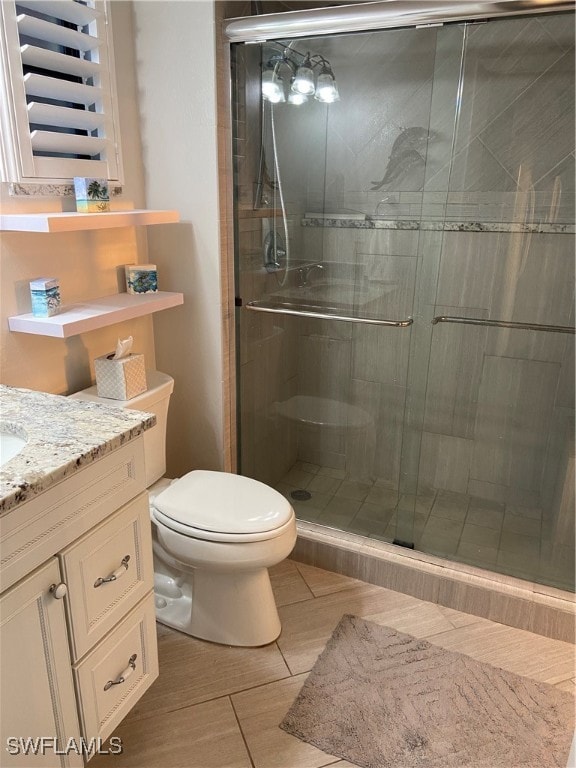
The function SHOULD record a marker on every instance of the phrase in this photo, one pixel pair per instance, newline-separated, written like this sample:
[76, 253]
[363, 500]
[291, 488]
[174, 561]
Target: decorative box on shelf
[45, 296]
[92, 195]
[141, 278]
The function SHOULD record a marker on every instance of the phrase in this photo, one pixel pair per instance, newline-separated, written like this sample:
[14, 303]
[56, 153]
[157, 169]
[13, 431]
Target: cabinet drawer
[108, 571]
[113, 676]
[37, 529]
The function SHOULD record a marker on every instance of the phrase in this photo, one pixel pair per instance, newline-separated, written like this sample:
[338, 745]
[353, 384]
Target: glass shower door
[329, 199]
[405, 288]
[494, 428]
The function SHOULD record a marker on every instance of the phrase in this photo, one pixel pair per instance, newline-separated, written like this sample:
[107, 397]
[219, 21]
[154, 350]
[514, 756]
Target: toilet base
[228, 608]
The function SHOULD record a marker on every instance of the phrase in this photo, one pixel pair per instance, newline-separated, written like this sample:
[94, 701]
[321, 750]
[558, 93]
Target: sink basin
[12, 441]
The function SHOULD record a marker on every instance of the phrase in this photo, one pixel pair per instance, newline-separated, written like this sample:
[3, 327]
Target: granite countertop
[63, 436]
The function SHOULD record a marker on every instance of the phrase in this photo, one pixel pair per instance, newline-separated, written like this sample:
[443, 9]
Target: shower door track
[386, 14]
[261, 306]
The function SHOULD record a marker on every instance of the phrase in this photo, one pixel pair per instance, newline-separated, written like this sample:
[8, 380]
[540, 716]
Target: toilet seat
[219, 506]
[233, 538]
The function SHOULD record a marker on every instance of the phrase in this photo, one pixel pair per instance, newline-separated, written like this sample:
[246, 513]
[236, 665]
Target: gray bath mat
[383, 699]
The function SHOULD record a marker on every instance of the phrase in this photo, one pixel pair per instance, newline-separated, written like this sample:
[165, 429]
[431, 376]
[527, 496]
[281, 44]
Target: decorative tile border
[441, 226]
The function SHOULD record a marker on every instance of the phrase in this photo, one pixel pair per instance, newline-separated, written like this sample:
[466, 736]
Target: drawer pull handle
[123, 676]
[59, 590]
[115, 574]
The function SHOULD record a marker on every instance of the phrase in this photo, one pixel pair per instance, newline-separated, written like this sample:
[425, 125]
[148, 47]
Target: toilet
[215, 534]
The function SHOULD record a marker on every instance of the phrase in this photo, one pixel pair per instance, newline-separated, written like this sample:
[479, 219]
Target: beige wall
[85, 262]
[175, 50]
[169, 130]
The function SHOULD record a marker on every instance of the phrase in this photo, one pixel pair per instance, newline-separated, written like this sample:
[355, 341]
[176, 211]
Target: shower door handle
[279, 309]
[504, 324]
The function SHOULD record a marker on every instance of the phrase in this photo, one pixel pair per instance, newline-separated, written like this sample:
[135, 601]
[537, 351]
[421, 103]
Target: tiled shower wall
[507, 156]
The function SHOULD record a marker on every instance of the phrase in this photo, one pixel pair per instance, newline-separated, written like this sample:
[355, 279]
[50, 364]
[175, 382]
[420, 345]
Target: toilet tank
[155, 400]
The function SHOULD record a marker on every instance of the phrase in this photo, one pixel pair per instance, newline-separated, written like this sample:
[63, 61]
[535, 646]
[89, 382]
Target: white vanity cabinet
[78, 655]
[37, 691]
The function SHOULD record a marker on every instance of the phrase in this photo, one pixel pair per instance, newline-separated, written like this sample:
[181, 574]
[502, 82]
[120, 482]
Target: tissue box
[120, 379]
[92, 195]
[45, 295]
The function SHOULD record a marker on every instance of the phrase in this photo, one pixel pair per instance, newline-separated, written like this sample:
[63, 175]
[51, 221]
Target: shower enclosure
[405, 283]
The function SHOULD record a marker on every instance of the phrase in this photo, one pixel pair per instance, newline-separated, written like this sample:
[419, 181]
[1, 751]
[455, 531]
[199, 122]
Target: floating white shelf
[97, 313]
[73, 221]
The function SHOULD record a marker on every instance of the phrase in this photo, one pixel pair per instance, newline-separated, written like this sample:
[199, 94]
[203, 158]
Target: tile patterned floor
[507, 538]
[219, 707]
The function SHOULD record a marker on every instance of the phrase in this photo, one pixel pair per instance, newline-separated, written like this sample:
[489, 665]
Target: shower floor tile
[374, 512]
[534, 513]
[421, 504]
[305, 466]
[488, 518]
[438, 543]
[342, 507]
[482, 537]
[384, 497]
[476, 554]
[451, 506]
[338, 474]
[527, 526]
[443, 527]
[512, 539]
[324, 484]
[298, 478]
[351, 489]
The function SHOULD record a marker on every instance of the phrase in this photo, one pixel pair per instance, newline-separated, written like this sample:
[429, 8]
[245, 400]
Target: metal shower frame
[383, 14]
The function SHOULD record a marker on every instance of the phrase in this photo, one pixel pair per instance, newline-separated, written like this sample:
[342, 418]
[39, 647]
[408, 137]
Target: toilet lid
[224, 503]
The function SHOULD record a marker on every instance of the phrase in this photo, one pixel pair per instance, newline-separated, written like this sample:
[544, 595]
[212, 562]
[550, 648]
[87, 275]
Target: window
[58, 112]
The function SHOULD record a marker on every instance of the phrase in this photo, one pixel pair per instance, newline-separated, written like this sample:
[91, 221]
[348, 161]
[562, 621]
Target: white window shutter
[59, 111]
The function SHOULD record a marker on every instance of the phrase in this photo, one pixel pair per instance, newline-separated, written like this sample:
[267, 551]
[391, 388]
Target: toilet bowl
[215, 534]
[218, 534]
